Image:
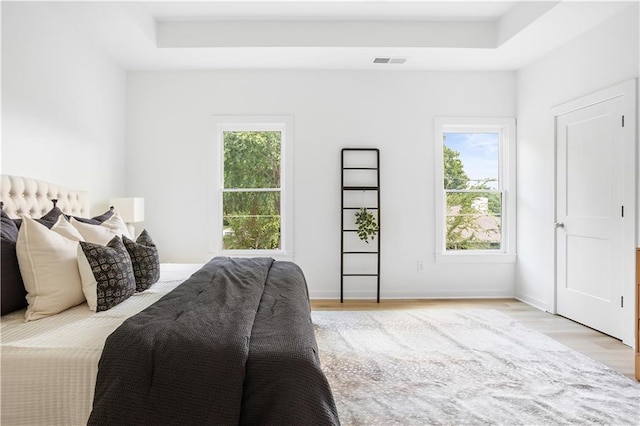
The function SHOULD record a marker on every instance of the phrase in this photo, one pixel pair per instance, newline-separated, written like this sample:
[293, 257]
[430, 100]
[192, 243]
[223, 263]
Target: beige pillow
[117, 225]
[66, 229]
[89, 282]
[49, 267]
[93, 233]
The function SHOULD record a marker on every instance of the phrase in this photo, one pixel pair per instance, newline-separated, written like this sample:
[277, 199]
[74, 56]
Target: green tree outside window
[473, 216]
[251, 190]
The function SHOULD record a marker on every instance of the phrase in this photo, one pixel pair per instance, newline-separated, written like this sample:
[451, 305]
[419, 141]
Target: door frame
[627, 90]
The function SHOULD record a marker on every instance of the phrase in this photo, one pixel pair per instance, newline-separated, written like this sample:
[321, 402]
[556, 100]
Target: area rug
[463, 367]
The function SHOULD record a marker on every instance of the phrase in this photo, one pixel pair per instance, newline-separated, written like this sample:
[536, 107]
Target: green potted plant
[367, 226]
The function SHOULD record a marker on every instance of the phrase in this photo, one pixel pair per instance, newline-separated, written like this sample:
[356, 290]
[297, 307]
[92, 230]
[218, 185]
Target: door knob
[558, 225]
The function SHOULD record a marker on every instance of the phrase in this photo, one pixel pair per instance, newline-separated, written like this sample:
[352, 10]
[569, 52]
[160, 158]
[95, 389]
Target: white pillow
[93, 233]
[89, 282]
[117, 225]
[64, 228]
[49, 267]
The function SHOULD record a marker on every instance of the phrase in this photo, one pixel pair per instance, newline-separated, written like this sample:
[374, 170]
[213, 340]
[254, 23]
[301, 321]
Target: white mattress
[48, 367]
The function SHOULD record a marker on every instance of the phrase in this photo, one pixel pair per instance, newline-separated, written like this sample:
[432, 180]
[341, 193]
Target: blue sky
[478, 152]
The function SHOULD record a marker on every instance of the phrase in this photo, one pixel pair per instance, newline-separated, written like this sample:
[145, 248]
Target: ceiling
[340, 10]
[332, 34]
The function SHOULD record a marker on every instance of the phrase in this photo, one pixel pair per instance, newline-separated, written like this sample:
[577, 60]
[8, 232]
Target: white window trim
[222, 123]
[507, 128]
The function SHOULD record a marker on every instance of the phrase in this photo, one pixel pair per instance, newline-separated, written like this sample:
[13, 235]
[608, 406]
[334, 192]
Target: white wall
[169, 143]
[63, 120]
[63, 116]
[606, 55]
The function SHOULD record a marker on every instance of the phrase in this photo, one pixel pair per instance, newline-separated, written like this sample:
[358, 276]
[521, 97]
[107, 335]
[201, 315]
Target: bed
[228, 342]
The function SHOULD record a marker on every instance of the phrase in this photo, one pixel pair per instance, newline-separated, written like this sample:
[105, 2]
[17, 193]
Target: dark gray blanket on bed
[233, 344]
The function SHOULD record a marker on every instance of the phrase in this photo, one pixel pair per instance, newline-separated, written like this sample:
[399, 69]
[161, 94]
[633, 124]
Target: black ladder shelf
[360, 183]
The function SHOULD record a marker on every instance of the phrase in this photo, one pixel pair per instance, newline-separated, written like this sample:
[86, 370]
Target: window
[475, 194]
[254, 212]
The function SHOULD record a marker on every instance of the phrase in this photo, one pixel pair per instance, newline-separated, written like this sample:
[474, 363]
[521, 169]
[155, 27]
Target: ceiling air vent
[389, 60]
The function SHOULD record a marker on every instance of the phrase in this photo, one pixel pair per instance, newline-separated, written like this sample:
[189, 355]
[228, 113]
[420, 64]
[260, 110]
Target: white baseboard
[533, 301]
[368, 295]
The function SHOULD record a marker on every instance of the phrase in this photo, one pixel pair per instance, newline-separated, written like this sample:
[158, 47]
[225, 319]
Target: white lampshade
[131, 209]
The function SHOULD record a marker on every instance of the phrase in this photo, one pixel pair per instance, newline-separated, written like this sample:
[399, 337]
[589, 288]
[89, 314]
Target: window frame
[283, 124]
[506, 128]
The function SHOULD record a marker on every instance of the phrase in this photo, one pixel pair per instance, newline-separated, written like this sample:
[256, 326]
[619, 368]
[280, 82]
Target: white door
[589, 204]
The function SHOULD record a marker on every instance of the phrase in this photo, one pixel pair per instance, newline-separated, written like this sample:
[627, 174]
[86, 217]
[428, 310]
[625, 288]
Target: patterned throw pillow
[106, 272]
[145, 259]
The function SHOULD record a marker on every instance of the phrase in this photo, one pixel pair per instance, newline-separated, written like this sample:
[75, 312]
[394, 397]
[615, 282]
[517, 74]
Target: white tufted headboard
[32, 197]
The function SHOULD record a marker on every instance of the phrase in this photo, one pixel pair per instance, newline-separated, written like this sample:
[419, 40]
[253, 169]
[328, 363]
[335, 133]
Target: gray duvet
[233, 344]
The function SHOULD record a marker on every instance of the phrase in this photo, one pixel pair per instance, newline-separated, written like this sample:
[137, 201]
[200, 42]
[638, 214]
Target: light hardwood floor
[592, 343]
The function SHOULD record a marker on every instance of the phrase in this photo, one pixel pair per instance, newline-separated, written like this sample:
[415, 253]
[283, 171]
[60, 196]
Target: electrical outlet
[420, 266]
